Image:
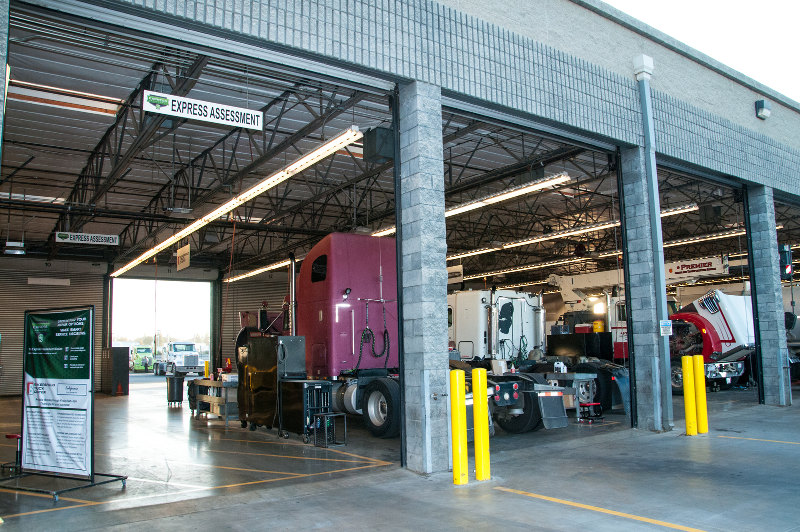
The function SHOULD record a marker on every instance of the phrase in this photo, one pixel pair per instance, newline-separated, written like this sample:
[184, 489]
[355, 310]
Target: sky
[759, 39]
[178, 308]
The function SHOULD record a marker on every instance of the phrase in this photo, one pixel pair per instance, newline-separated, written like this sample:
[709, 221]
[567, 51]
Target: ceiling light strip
[338, 142]
[275, 266]
[515, 192]
[568, 232]
[525, 268]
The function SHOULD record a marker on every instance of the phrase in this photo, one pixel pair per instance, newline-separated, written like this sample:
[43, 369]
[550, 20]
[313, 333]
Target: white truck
[505, 330]
[180, 358]
[717, 325]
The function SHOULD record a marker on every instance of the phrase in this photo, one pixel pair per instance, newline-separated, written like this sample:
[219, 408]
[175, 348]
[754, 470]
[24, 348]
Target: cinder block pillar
[424, 277]
[648, 349]
[765, 288]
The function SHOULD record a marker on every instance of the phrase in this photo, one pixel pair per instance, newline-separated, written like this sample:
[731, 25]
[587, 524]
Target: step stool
[590, 412]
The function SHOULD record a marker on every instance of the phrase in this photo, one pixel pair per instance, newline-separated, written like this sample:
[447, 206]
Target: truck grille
[190, 360]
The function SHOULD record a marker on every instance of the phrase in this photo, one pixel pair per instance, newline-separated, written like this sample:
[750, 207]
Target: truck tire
[603, 384]
[380, 407]
[528, 420]
[676, 377]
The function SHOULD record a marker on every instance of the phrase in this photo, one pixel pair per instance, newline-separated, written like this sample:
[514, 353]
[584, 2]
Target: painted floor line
[758, 439]
[289, 456]
[42, 495]
[249, 470]
[601, 510]
[164, 482]
[365, 458]
[226, 486]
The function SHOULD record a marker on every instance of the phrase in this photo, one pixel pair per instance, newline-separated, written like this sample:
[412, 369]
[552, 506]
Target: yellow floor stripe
[226, 486]
[758, 439]
[51, 510]
[366, 458]
[238, 468]
[288, 456]
[601, 510]
[44, 495]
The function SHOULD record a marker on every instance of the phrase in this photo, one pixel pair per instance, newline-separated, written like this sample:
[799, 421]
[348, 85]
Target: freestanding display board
[57, 397]
[58, 400]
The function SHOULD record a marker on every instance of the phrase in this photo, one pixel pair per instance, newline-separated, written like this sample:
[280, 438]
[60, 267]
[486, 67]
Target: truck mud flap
[554, 414]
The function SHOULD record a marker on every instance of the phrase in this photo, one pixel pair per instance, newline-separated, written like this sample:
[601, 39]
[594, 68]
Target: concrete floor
[184, 473]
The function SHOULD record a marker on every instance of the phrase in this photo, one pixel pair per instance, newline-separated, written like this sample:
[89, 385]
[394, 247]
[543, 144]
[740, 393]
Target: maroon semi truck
[347, 324]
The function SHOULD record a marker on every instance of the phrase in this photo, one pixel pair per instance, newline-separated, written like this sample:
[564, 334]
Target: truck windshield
[183, 347]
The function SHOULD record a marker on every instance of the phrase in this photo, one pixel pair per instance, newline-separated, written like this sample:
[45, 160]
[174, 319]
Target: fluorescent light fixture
[275, 266]
[49, 96]
[521, 285]
[525, 268]
[338, 142]
[571, 232]
[566, 232]
[705, 238]
[473, 253]
[31, 198]
[609, 254]
[505, 195]
[672, 211]
[14, 248]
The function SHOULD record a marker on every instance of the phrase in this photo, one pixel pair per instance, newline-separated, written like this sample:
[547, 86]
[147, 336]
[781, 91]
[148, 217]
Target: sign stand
[58, 400]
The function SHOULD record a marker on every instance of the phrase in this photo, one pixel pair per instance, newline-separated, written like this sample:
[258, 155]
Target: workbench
[217, 398]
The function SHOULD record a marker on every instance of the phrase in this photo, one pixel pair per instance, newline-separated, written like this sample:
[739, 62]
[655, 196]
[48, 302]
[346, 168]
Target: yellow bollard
[700, 393]
[480, 422]
[458, 421]
[688, 396]
[205, 369]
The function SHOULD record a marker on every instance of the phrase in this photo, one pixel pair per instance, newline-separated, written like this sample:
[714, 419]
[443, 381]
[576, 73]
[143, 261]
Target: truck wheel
[676, 377]
[518, 423]
[602, 383]
[380, 408]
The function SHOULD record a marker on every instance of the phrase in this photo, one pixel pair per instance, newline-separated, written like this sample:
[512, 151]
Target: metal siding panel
[248, 295]
[17, 296]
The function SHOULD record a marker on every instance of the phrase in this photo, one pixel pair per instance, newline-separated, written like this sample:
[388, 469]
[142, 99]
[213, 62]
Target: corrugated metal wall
[248, 295]
[17, 296]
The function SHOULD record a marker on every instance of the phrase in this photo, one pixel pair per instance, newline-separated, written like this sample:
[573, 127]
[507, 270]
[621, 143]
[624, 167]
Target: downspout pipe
[643, 70]
[292, 295]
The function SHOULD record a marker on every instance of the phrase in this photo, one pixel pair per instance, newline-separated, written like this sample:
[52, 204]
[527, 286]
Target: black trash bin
[174, 390]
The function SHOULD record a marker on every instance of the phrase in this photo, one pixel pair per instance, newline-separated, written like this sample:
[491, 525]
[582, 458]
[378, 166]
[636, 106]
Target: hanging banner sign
[168, 104]
[183, 257]
[455, 274]
[87, 238]
[57, 418]
[694, 269]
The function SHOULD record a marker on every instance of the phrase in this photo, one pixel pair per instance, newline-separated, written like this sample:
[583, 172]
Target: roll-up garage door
[248, 295]
[33, 290]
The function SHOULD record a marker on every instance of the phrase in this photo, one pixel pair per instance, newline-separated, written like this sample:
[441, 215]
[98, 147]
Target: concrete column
[424, 277]
[765, 286]
[649, 351]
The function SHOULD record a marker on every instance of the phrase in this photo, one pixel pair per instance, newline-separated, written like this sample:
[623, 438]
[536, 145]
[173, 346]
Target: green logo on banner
[58, 345]
[62, 236]
[157, 101]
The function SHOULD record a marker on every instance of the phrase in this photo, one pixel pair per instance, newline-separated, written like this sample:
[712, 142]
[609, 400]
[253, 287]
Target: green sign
[58, 345]
[57, 418]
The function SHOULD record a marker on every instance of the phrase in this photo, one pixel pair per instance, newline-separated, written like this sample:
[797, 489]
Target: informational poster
[57, 395]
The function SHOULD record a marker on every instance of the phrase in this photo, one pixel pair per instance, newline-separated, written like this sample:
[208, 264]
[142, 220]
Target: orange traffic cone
[119, 388]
